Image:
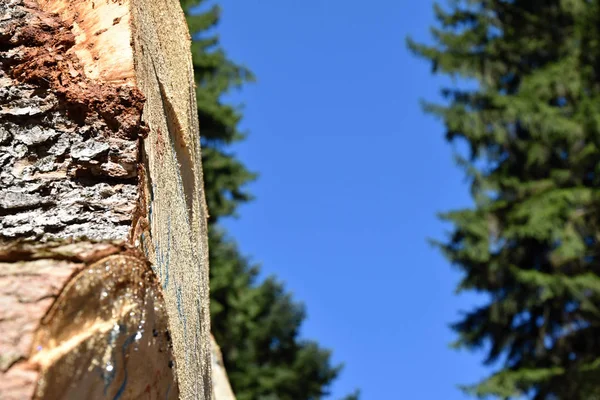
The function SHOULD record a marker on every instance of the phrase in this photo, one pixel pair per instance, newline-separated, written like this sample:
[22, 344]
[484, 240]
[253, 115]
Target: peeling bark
[69, 146]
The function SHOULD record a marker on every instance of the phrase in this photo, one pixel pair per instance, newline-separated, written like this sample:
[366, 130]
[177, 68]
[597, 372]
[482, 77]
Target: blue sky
[351, 175]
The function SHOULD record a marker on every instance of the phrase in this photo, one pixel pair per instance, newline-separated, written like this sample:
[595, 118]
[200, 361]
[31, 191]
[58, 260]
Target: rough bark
[103, 247]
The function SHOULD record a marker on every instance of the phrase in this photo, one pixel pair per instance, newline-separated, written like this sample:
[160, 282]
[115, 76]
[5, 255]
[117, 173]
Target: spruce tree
[530, 243]
[256, 323]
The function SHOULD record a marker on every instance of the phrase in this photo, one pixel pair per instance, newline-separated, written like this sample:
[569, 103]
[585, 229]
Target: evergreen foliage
[256, 323]
[530, 243]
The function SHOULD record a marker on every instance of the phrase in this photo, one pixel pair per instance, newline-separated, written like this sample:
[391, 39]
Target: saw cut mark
[181, 150]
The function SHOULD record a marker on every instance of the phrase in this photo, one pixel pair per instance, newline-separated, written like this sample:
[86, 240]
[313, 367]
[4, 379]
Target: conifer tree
[531, 240]
[255, 323]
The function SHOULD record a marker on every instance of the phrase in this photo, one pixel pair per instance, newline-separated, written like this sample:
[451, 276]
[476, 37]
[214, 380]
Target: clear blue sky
[351, 176]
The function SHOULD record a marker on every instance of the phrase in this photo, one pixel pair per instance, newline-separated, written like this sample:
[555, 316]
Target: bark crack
[69, 145]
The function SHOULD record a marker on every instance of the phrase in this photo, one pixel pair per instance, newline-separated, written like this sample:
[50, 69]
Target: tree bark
[103, 240]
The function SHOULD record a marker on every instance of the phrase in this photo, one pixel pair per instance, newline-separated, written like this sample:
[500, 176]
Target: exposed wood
[104, 273]
[220, 383]
[177, 239]
[89, 324]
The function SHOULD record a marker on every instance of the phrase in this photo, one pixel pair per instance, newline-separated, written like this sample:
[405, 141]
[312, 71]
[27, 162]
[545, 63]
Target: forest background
[352, 174]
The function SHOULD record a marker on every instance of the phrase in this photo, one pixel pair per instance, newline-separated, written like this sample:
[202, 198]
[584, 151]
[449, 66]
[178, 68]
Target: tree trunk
[220, 383]
[103, 240]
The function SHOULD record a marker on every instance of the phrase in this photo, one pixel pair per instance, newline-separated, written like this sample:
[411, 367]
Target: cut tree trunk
[103, 240]
[221, 387]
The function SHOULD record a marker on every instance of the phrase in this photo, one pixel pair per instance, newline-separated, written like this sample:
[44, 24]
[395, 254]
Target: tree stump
[103, 239]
